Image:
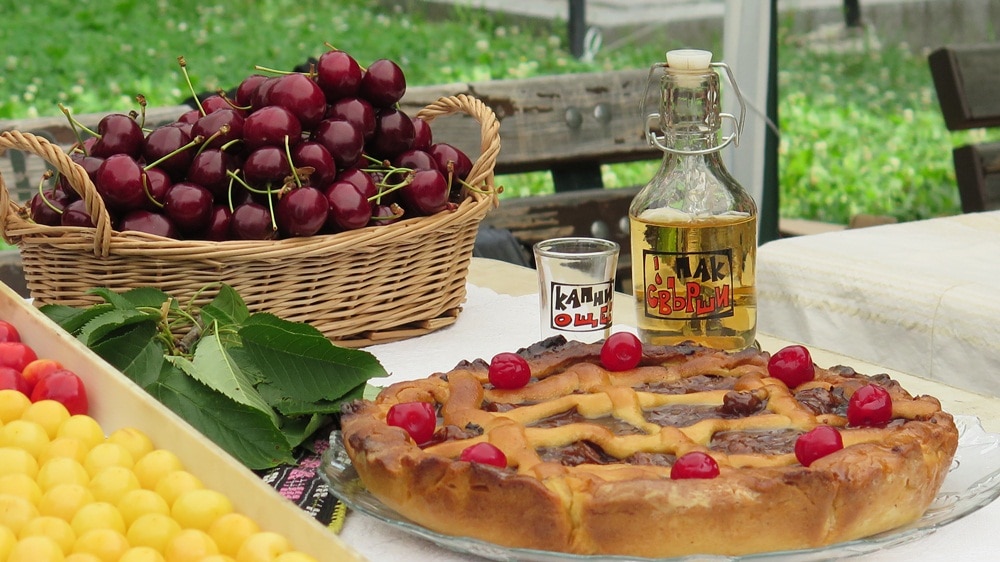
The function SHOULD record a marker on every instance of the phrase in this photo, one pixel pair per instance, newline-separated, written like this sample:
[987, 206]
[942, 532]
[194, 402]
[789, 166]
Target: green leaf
[136, 352]
[291, 407]
[371, 392]
[111, 321]
[112, 298]
[72, 319]
[244, 432]
[146, 297]
[298, 430]
[302, 364]
[227, 309]
[213, 366]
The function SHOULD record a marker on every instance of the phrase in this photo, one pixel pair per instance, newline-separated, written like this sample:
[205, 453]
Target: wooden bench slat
[553, 121]
[977, 170]
[967, 79]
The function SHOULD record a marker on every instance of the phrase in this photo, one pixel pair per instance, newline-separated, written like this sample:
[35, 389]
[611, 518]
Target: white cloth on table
[918, 297]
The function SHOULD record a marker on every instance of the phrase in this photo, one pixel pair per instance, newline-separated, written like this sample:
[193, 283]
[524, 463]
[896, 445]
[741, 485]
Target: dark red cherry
[300, 95]
[189, 117]
[46, 207]
[251, 221]
[393, 134]
[450, 158]
[186, 127]
[269, 126]
[509, 371]
[357, 111]
[245, 91]
[189, 206]
[218, 224]
[792, 365]
[343, 140]
[338, 75]
[416, 160]
[211, 127]
[119, 134]
[383, 83]
[427, 193]
[817, 443]
[484, 453]
[89, 163]
[417, 418]
[695, 464]
[360, 179]
[169, 141]
[267, 166]
[869, 406]
[156, 182]
[301, 212]
[149, 222]
[209, 170]
[119, 182]
[423, 138]
[385, 214]
[76, 214]
[621, 351]
[261, 95]
[349, 209]
[317, 157]
[213, 103]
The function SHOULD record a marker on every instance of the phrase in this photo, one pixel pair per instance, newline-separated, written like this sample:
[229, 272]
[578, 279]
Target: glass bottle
[693, 227]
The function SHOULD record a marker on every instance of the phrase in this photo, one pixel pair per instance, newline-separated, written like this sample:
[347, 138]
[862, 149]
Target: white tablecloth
[920, 297]
[491, 323]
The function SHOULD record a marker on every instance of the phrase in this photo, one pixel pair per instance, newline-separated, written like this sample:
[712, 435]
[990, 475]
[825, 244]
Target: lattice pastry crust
[589, 454]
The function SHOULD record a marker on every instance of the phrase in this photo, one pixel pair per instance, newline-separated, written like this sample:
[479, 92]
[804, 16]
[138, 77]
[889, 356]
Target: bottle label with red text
[688, 285]
[580, 308]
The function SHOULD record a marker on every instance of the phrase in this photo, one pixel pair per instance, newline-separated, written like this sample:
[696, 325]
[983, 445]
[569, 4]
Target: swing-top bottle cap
[689, 59]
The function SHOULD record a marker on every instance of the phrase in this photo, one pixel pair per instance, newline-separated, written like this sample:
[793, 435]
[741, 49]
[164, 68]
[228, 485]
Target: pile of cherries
[289, 154]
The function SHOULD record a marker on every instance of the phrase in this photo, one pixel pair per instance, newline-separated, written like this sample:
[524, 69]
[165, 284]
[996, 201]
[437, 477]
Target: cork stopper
[689, 59]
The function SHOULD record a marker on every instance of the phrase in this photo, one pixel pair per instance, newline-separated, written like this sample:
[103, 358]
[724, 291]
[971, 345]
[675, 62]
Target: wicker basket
[367, 286]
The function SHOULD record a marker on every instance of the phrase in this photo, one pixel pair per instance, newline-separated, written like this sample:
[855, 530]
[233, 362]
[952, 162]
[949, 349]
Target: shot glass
[576, 282]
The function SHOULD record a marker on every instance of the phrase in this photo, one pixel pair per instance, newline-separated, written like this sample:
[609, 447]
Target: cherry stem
[77, 126]
[288, 155]
[192, 143]
[148, 192]
[397, 213]
[142, 109]
[229, 192]
[41, 192]
[333, 48]
[270, 208]
[235, 176]
[385, 188]
[222, 131]
[232, 103]
[273, 70]
[183, 62]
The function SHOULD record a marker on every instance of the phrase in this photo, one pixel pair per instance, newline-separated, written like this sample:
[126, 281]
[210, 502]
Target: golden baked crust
[589, 454]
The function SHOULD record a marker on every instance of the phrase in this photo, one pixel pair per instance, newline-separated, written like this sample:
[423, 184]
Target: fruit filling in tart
[667, 451]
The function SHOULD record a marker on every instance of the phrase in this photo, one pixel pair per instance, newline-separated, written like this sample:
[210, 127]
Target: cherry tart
[690, 451]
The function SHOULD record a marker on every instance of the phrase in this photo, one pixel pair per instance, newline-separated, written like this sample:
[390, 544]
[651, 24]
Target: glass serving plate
[972, 482]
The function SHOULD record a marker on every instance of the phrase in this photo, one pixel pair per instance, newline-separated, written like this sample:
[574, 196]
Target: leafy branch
[257, 385]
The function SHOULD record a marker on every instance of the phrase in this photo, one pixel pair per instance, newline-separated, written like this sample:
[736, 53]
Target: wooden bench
[967, 81]
[570, 126]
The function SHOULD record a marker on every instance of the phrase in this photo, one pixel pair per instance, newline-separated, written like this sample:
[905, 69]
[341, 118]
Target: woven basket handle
[75, 174]
[489, 149]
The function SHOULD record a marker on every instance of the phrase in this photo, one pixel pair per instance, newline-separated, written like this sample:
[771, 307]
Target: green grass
[861, 133]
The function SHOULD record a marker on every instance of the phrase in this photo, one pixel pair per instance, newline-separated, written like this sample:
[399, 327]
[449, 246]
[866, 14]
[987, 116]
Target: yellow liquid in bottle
[693, 278]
